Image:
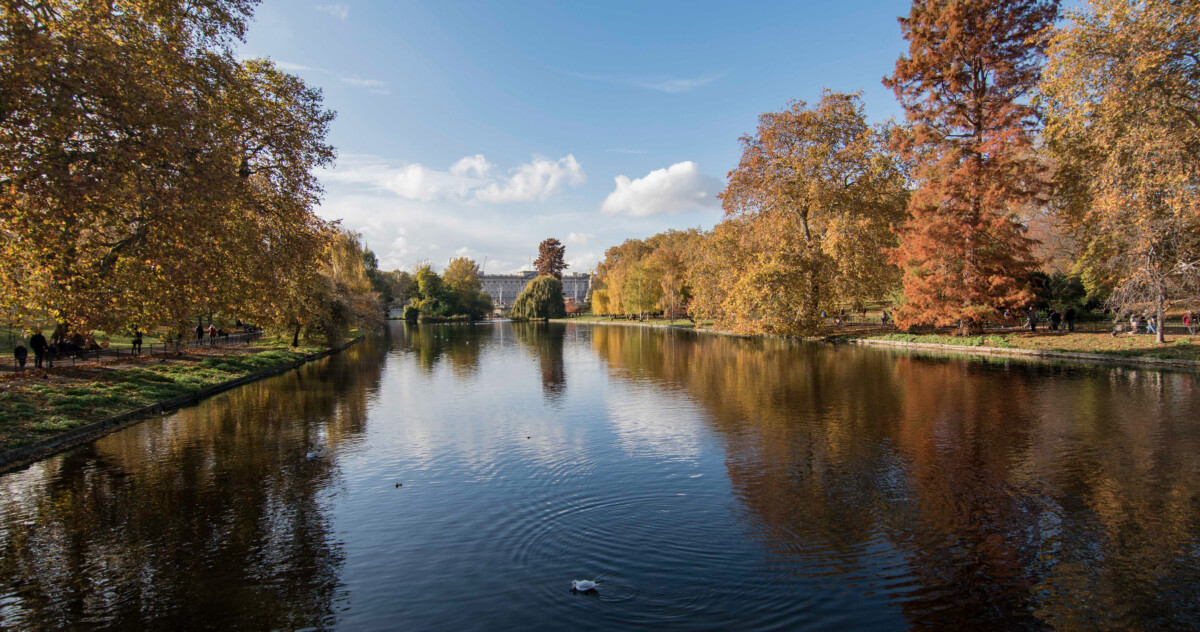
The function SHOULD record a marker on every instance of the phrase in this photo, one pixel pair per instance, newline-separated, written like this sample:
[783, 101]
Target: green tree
[462, 280]
[540, 300]
[432, 299]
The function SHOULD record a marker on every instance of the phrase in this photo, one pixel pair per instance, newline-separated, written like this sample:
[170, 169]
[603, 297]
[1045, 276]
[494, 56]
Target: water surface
[467, 473]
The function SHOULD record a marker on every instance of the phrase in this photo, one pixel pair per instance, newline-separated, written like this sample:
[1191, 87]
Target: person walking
[37, 342]
[1152, 325]
[199, 333]
[20, 353]
[212, 334]
[1031, 319]
[137, 342]
[1055, 319]
[1069, 319]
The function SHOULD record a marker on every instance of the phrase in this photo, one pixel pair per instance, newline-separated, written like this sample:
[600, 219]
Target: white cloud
[337, 10]
[362, 83]
[476, 165]
[672, 85]
[536, 180]
[374, 86]
[290, 67]
[468, 179]
[680, 188]
[411, 181]
[583, 263]
[579, 238]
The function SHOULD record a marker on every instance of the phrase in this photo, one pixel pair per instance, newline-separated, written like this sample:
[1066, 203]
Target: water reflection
[1001, 494]
[545, 342]
[715, 483]
[459, 345]
[212, 517]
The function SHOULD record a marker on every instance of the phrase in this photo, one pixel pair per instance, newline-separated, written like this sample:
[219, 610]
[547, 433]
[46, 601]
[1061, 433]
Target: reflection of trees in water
[459, 344]
[545, 342]
[1025, 497]
[213, 518]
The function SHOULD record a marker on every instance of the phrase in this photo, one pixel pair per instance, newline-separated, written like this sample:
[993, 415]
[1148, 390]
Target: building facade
[504, 288]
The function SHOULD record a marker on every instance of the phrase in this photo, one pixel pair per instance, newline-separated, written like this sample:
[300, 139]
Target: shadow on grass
[29, 412]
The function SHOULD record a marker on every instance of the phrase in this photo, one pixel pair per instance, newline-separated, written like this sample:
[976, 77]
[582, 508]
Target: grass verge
[35, 405]
[1122, 345]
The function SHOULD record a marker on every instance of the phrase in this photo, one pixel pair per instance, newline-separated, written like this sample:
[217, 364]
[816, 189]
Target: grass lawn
[1176, 348]
[36, 404]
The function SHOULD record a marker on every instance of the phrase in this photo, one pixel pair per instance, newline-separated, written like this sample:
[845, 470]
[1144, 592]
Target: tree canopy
[146, 173]
[550, 258]
[540, 300]
[965, 87]
[1122, 94]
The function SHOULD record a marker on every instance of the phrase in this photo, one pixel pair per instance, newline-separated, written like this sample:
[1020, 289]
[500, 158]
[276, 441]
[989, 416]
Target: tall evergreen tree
[965, 87]
[550, 258]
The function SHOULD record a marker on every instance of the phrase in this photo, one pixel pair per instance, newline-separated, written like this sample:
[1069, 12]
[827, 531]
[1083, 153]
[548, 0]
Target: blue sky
[481, 128]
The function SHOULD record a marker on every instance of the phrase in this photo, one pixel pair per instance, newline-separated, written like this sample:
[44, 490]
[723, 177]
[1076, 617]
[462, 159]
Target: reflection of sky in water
[712, 482]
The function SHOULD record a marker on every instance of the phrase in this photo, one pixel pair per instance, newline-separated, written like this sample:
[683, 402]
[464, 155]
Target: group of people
[1056, 319]
[44, 352]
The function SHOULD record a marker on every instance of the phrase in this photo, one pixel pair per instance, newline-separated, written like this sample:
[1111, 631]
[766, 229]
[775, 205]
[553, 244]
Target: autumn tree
[965, 87]
[550, 258]
[1122, 92]
[146, 173]
[809, 210]
[462, 280]
[649, 275]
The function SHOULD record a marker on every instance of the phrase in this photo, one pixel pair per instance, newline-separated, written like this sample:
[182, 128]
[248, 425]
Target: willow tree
[812, 204]
[1122, 92]
[146, 174]
[965, 87]
[542, 299]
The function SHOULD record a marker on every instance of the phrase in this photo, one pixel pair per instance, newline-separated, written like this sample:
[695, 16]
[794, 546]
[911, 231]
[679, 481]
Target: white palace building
[504, 288]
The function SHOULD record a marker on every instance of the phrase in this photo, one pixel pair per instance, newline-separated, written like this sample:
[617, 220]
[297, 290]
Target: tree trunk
[1159, 336]
[296, 334]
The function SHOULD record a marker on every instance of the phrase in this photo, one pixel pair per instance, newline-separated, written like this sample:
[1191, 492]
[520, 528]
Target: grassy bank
[1121, 345]
[1104, 343]
[35, 405]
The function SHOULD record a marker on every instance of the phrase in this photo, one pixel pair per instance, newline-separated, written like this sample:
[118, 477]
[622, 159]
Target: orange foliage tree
[550, 258]
[965, 87]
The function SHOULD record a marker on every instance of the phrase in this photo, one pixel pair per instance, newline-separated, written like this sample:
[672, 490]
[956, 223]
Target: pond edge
[23, 456]
[1193, 365]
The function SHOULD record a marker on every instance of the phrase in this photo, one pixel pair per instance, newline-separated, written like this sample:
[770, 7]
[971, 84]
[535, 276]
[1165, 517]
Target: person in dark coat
[20, 353]
[199, 333]
[137, 342]
[1069, 318]
[37, 342]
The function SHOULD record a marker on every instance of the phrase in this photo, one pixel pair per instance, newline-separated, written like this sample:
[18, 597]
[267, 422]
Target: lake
[465, 474]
